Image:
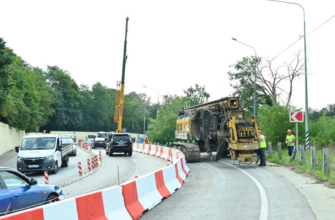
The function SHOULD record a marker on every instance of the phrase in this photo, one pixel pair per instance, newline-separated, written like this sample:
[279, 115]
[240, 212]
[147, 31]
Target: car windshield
[103, 135]
[91, 136]
[65, 136]
[67, 141]
[39, 143]
[120, 138]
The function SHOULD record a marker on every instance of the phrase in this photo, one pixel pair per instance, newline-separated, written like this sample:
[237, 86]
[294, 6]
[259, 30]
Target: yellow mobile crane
[120, 88]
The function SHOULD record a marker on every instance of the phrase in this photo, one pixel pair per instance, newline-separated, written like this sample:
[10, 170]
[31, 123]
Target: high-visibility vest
[262, 144]
[290, 138]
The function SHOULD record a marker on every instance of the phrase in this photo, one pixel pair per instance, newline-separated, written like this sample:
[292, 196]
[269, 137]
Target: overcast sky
[172, 45]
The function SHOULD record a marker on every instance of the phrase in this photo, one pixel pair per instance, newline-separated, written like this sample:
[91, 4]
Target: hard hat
[259, 131]
[289, 131]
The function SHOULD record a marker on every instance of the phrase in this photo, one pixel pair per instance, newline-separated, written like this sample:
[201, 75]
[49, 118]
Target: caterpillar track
[191, 151]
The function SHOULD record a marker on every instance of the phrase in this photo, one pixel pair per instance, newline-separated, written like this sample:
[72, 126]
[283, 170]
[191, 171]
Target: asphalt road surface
[64, 173]
[116, 169]
[220, 190]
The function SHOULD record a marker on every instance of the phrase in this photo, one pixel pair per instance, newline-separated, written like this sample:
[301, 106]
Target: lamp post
[157, 105]
[145, 110]
[306, 93]
[255, 73]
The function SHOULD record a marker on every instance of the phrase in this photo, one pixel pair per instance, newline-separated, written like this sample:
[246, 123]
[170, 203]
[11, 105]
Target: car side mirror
[33, 181]
[59, 148]
[17, 149]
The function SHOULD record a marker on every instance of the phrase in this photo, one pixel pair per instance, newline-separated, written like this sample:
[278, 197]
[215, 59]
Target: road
[64, 173]
[138, 164]
[220, 190]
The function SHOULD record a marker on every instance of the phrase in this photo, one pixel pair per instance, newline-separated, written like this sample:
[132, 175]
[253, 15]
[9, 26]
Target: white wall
[9, 138]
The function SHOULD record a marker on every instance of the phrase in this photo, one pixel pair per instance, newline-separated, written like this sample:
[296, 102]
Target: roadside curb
[76, 179]
[6, 156]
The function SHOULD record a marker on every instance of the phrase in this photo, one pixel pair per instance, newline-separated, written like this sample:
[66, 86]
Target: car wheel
[110, 153]
[56, 168]
[130, 153]
[75, 153]
[51, 198]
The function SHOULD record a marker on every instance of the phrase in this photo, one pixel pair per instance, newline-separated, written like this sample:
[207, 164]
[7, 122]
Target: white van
[41, 153]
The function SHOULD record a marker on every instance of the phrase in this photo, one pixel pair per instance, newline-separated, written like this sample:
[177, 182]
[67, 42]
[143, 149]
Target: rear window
[119, 138]
[91, 136]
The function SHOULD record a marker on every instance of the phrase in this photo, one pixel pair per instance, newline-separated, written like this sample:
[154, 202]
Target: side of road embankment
[320, 197]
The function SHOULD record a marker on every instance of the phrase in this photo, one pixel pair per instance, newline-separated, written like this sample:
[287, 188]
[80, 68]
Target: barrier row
[127, 201]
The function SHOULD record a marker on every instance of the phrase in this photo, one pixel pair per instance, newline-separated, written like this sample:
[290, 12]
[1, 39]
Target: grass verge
[317, 173]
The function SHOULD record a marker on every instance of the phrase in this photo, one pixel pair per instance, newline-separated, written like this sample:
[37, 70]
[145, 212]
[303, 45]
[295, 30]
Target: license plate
[33, 166]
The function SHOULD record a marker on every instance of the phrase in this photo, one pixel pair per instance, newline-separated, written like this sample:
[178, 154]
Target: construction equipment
[119, 94]
[219, 126]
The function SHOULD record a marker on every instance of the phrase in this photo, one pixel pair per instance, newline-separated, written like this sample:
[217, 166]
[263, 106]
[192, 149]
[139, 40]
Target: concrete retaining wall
[10, 138]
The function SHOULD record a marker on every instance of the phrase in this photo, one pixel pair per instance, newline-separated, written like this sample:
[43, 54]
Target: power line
[303, 36]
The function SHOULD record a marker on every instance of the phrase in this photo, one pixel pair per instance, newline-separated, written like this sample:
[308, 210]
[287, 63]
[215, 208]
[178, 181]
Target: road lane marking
[264, 198]
[157, 159]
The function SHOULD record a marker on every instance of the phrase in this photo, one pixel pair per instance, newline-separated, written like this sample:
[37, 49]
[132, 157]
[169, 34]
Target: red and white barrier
[99, 155]
[153, 149]
[165, 153]
[157, 151]
[149, 149]
[170, 180]
[88, 165]
[161, 152]
[46, 176]
[127, 201]
[79, 168]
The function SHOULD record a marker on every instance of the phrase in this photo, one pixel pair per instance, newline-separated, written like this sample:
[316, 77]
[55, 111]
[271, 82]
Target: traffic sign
[296, 116]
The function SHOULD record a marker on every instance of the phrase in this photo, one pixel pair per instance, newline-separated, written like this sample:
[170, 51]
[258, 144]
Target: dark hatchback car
[18, 192]
[120, 143]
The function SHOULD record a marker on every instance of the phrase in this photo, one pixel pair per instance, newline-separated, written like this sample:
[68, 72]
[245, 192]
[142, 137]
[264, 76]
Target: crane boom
[119, 96]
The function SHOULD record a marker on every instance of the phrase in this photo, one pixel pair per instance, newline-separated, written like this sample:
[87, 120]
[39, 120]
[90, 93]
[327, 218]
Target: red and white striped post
[96, 160]
[100, 155]
[46, 176]
[79, 167]
[92, 160]
[89, 165]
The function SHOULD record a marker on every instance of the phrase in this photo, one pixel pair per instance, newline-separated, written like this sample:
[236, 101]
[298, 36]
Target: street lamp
[306, 93]
[157, 105]
[255, 74]
[145, 110]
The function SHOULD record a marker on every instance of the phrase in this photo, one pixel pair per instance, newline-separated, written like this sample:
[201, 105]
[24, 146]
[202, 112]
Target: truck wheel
[130, 153]
[65, 162]
[56, 168]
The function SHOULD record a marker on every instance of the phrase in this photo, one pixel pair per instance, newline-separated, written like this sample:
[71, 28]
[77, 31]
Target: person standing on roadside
[262, 146]
[146, 140]
[290, 140]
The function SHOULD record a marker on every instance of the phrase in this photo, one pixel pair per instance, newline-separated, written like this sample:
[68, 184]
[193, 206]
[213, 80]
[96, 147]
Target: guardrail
[127, 201]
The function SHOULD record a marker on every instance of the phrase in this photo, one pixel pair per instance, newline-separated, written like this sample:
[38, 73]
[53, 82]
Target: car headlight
[48, 158]
[19, 159]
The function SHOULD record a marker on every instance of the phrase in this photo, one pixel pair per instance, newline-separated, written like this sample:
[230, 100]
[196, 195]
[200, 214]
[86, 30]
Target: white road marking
[264, 198]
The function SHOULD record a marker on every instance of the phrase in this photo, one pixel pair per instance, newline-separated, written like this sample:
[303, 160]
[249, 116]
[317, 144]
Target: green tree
[197, 95]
